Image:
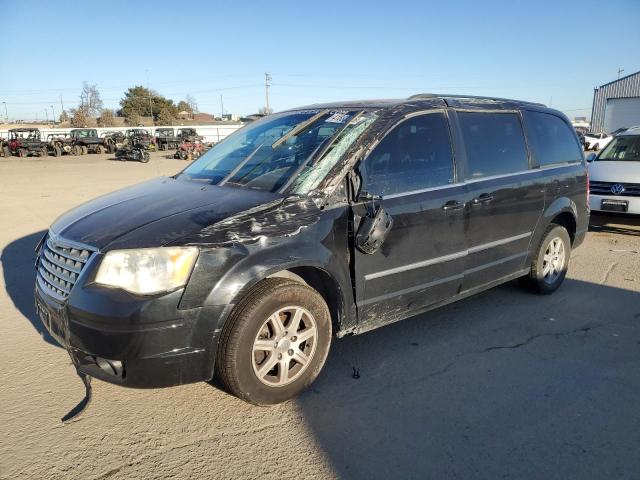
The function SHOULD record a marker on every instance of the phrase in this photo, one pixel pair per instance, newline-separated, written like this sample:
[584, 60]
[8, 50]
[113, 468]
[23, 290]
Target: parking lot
[502, 385]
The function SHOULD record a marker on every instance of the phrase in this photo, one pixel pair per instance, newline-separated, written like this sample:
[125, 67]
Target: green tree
[183, 106]
[144, 102]
[64, 118]
[133, 119]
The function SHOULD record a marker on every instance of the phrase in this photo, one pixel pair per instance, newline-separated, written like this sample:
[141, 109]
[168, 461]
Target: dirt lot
[505, 384]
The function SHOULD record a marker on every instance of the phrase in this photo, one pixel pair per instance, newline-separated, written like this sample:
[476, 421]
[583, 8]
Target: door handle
[482, 198]
[453, 205]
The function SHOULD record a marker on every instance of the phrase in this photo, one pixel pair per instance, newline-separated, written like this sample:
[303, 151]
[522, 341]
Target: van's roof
[430, 100]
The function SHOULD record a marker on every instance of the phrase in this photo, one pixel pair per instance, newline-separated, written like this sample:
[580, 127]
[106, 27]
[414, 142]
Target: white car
[596, 141]
[615, 174]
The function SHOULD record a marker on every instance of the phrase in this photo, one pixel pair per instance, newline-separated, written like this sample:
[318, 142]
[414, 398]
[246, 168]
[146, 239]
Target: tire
[76, 150]
[543, 279]
[85, 150]
[144, 156]
[238, 363]
[99, 150]
[111, 148]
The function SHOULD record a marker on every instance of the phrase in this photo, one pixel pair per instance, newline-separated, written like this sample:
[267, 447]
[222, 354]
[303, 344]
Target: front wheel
[549, 265]
[275, 342]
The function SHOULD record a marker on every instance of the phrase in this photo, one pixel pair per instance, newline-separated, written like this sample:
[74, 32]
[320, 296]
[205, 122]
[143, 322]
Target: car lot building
[616, 104]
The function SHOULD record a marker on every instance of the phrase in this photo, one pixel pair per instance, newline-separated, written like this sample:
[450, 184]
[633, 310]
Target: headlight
[147, 270]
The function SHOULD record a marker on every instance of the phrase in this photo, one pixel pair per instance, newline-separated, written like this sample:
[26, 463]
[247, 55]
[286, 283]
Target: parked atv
[188, 135]
[166, 139]
[189, 150]
[86, 140]
[59, 143]
[140, 136]
[113, 140]
[26, 141]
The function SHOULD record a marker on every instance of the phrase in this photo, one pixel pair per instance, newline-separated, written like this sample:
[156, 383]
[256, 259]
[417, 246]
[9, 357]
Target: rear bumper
[146, 343]
[596, 202]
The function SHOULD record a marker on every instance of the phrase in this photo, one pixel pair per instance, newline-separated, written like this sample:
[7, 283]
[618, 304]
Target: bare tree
[79, 117]
[193, 105]
[165, 117]
[64, 117]
[107, 118]
[90, 100]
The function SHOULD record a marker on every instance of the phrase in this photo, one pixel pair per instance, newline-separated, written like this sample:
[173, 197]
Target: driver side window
[413, 156]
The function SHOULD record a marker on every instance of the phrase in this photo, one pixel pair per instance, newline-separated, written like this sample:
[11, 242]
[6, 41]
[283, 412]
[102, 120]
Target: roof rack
[473, 97]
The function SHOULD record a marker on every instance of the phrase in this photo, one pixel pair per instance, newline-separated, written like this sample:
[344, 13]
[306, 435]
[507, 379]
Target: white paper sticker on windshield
[338, 117]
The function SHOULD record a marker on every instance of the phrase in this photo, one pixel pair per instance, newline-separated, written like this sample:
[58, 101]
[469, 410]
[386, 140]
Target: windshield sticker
[338, 117]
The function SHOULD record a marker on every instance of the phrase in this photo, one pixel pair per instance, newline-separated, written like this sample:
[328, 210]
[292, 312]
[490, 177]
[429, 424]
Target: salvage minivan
[309, 224]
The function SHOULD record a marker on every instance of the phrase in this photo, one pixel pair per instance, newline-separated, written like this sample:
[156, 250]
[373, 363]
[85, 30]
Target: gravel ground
[504, 384]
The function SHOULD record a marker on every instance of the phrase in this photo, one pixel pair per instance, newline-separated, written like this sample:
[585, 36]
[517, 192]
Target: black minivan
[327, 220]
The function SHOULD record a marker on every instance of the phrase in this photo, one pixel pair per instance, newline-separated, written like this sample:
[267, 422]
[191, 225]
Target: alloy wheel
[284, 346]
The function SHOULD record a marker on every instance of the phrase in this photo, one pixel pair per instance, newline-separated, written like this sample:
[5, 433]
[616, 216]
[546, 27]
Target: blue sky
[552, 52]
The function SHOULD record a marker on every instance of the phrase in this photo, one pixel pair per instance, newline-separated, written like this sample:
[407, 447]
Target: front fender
[223, 275]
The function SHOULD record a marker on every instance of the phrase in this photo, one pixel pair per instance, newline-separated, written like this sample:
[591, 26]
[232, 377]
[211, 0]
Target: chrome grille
[604, 188]
[59, 265]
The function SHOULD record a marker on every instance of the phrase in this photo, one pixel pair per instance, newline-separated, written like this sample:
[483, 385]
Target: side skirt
[358, 329]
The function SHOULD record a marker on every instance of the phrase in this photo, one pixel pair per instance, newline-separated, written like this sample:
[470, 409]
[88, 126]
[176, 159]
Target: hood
[154, 213]
[614, 171]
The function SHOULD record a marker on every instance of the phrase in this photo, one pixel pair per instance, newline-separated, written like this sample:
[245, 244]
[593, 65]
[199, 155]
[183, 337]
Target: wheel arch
[321, 281]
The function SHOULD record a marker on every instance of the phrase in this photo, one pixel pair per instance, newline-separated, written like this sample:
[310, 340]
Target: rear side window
[494, 143]
[551, 139]
[414, 155]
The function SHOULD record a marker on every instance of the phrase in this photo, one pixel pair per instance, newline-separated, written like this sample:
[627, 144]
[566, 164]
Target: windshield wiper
[239, 166]
[298, 128]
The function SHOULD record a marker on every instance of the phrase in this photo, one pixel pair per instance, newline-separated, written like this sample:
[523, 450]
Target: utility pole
[61, 105]
[46, 115]
[221, 109]
[620, 70]
[5, 111]
[150, 102]
[267, 84]
[53, 115]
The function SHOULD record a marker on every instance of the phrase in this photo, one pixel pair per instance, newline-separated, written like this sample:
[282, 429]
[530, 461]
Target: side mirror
[373, 230]
[591, 157]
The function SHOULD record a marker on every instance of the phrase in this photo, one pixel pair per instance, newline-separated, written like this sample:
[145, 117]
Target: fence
[209, 133]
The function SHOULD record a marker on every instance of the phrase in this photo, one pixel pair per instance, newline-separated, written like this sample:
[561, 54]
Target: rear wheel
[549, 265]
[275, 342]
[85, 150]
[99, 150]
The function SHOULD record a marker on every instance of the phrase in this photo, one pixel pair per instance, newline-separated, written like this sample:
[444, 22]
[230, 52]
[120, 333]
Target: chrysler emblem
[617, 189]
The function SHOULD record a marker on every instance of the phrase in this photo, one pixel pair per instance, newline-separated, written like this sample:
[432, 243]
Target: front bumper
[595, 203]
[133, 341]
